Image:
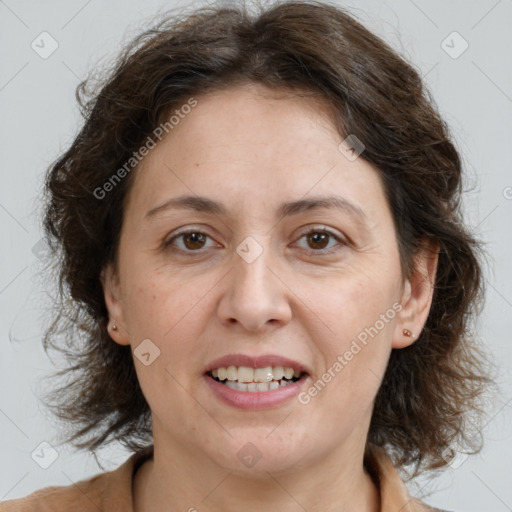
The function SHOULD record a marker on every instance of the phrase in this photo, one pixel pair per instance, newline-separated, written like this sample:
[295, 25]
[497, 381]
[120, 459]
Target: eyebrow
[290, 208]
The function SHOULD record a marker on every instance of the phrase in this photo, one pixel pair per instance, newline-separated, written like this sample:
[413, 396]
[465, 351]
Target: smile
[256, 382]
[244, 378]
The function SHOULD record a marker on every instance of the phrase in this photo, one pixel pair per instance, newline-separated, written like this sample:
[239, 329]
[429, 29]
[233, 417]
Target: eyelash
[168, 244]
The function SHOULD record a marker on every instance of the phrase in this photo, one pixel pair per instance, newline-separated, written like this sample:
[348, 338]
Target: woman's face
[250, 288]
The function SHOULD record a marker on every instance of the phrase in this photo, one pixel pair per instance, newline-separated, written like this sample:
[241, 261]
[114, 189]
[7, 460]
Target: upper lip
[255, 362]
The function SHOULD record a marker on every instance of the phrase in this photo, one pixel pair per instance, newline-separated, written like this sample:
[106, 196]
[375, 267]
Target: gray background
[40, 118]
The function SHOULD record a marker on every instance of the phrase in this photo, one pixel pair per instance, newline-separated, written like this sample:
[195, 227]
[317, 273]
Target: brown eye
[318, 241]
[192, 241]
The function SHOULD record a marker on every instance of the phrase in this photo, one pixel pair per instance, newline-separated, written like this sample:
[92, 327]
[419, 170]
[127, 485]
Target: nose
[256, 295]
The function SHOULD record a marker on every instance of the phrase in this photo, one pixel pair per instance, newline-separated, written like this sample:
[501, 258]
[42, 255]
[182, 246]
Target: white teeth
[288, 373]
[278, 372]
[254, 387]
[232, 373]
[245, 374]
[244, 378]
[239, 386]
[263, 374]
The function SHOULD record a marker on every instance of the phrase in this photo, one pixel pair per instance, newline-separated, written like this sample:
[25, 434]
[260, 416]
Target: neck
[175, 479]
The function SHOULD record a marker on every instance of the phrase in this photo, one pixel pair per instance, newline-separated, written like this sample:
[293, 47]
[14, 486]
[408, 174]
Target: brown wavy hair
[431, 391]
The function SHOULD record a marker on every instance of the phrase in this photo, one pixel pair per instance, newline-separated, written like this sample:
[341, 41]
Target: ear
[417, 296]
[111, 290]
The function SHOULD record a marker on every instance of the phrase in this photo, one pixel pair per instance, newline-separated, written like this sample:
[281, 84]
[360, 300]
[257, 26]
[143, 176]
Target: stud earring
[114, 327]
[407, 333]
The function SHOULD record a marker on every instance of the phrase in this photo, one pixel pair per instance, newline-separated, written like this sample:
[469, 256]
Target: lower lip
[255, 400]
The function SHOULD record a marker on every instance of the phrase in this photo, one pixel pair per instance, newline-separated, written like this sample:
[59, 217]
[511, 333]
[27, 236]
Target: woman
[259, 227]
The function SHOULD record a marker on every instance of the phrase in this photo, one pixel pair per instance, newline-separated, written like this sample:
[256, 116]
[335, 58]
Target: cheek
[350, 303]
[172, 314]
[168, 314]
[358, 314]
[160, 303]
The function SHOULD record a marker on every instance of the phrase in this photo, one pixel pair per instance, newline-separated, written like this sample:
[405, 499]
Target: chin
[261, 452]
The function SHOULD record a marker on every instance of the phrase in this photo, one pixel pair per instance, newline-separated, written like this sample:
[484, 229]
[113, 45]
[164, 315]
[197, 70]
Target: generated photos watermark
[344, 359]
[137, 156]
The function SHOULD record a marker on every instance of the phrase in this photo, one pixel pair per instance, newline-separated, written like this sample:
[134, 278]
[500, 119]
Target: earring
[407, 333]
[114, 327]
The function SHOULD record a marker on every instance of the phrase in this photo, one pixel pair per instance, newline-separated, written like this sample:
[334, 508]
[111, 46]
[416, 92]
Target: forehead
[252, 143]
[233, 122]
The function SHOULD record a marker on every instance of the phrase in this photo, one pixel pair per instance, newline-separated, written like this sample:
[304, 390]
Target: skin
[251, 150]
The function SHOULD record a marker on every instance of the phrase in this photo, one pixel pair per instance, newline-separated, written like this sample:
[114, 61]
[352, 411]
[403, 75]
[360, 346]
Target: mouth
[253, 380]
[256, 382]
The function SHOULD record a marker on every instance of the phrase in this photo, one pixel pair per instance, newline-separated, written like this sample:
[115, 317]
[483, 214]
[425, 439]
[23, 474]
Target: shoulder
[83, 496]
[422, 507]
[107, 491]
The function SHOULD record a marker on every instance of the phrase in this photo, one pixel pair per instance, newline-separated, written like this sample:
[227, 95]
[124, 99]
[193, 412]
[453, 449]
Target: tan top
[112, 491]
